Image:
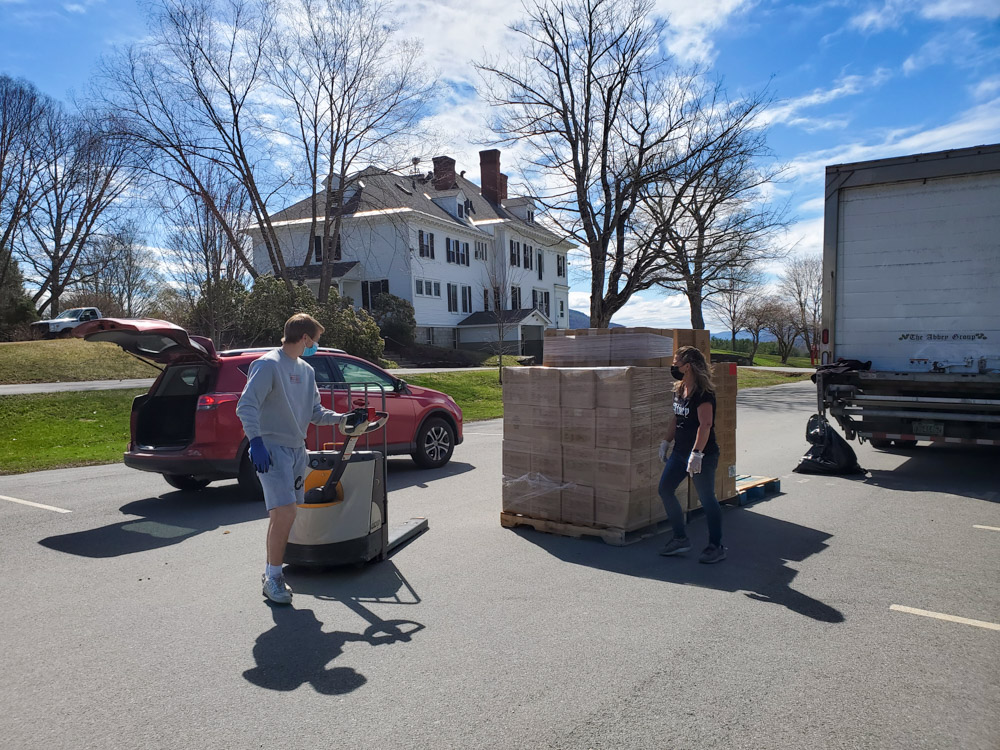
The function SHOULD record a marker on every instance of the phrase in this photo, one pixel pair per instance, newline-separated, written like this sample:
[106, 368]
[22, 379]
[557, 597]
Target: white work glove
[665, 447]
[694, 463]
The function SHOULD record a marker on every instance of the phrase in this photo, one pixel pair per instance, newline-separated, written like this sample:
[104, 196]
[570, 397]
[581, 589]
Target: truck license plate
[928, 428]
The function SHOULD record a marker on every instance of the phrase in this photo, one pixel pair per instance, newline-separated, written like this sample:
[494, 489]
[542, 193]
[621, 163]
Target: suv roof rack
[255, 349]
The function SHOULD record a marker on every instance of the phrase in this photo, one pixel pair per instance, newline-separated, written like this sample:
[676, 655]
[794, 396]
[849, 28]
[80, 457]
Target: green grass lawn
[769, 360]
[66, 360]
[56, 430]
[51, 431]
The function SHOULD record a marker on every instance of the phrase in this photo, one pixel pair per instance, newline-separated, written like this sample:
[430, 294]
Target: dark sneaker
[676, 547]
[713, 553]
[277, 590]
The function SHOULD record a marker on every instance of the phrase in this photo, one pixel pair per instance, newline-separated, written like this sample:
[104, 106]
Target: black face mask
[676, 372]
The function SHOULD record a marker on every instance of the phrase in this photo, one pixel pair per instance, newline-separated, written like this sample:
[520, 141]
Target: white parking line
[949, 618]
[35, 505]
[988, 528]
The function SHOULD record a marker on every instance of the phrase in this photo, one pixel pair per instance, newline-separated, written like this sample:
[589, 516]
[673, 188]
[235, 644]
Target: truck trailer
[911, 298]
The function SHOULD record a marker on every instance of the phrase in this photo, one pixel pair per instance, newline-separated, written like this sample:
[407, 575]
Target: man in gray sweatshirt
[278, 404]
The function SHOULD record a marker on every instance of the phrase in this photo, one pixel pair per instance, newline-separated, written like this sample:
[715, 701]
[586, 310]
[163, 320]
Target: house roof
[387, 191]
[313, 270]
[509, 317]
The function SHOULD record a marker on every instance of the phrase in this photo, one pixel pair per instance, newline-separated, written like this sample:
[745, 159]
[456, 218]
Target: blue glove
[259, 456]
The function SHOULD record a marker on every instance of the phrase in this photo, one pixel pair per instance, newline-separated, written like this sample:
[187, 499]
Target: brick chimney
[502, 186]
[489, 175]
[444, 173]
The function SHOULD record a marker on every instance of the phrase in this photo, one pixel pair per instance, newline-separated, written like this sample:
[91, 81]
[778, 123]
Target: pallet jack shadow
[297, 651]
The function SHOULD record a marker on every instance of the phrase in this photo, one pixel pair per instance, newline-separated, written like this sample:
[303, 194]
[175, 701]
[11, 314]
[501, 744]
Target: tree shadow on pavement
[296, 651]
[759, 548]
[164, 520]
[965, 470]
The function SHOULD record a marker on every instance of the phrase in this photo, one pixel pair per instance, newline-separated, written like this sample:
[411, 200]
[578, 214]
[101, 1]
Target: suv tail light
[212, 400]
[826, 335]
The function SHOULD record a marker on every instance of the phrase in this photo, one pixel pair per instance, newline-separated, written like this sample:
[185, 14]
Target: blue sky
[852, 79]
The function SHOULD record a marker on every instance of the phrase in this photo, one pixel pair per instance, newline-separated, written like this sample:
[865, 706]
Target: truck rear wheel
[880, 443]
[905, 443]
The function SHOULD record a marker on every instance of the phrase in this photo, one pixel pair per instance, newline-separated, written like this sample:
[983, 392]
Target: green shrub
[395, 319]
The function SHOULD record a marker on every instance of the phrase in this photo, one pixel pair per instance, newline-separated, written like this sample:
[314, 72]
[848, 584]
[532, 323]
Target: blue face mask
[311, 350]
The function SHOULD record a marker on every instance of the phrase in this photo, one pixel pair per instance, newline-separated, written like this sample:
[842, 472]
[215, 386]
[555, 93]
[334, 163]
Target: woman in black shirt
[695, 453]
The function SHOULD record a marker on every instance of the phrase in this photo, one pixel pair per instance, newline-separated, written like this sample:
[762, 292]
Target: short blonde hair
[299, 325]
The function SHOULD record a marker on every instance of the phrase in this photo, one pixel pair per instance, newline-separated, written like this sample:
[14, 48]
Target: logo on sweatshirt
[295, 378]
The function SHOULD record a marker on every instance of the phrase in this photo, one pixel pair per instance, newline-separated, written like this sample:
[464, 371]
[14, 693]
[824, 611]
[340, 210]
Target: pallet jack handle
[352, 425]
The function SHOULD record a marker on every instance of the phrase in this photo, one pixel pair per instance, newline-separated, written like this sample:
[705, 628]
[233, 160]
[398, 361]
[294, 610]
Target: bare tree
[756, 316]
[193, 95]
[603, 114]
[84, 170]
[356, 89]
[732, 296]
[21, 110]
[501, 286]
[204, 265]
[801, 283]
[708, 218]
[782, 321]
[126, 271]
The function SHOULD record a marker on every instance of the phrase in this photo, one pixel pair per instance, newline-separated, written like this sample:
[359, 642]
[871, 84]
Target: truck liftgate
[907, 407]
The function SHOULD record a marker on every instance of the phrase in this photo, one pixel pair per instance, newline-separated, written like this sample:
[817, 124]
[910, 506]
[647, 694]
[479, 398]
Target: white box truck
[911, 283]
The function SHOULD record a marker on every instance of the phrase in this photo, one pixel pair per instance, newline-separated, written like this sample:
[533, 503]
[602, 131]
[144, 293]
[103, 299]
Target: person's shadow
[759, 547]
[296, 651]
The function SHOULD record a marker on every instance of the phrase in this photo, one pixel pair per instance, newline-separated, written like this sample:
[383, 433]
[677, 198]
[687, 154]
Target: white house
[458, 252]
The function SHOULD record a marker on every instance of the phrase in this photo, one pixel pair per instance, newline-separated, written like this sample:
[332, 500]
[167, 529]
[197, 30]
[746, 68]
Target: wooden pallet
[616, 537]
[751, 489]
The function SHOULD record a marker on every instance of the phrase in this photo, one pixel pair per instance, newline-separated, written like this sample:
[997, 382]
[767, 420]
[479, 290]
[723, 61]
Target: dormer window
[461, 211]
[531, 216]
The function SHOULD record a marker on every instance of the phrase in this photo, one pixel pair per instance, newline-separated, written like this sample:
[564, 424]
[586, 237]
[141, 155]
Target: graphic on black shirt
[686, 414]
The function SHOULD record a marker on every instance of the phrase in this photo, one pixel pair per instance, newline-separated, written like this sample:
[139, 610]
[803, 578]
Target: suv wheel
[186, 482]
[435, 444]
[249, 483]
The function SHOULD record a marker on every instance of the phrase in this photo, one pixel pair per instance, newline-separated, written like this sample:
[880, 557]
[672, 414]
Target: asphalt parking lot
[851, 613]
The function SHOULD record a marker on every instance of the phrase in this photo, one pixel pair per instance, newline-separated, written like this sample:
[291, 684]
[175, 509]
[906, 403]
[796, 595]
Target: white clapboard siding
[918, 273]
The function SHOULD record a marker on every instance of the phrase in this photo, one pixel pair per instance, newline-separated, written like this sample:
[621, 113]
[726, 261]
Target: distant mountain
[578, 319]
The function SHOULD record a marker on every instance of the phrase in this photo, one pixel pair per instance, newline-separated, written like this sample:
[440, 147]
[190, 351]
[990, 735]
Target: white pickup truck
[911, 284]
[64, 323]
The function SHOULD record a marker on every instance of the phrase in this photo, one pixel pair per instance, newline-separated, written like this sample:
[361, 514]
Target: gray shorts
[283, 482]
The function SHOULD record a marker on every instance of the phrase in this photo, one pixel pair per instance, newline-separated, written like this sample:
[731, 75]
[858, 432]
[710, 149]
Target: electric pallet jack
[344, 519]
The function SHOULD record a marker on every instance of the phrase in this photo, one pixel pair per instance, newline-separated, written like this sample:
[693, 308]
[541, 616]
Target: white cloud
[75, 8]
[787, 112]
[987, 88]
[975, 126]
[692, 25]
[891, 13]
[961, 48]
[657, 312]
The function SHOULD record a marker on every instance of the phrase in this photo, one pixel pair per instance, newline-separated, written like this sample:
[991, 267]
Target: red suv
[186, 428]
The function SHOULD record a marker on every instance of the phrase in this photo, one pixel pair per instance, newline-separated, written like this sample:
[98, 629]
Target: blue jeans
[674, 473]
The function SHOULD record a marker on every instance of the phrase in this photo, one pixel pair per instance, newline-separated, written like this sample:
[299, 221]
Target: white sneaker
[276, 589]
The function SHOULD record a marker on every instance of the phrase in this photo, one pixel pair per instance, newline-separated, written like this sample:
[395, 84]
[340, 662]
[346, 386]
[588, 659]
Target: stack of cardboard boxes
[580, 444]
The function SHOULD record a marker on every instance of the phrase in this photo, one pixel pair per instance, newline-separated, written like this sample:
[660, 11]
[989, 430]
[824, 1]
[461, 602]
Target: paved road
[136, 619]
[106, 385]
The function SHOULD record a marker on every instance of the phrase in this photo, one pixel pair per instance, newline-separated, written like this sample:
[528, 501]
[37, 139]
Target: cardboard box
[625, 388]
[578, 388]
[698, 338]
[578, 505]
[586, 347]
[516, 458]
[622, 429]
[539, 425]
[547, 463]
[531, 386]
[621, 509]
[578, 427]
[579, 465]
[639, 347]
[516, 497]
